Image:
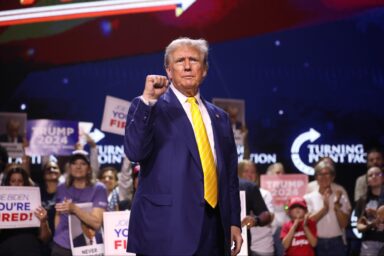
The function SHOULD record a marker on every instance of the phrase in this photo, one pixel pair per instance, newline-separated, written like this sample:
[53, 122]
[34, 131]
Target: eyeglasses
[373, 175]
[107, 177]
[324, 174]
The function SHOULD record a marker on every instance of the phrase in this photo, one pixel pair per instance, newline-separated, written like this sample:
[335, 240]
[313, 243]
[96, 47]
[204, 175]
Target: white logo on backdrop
[339, 153]
[311, 136]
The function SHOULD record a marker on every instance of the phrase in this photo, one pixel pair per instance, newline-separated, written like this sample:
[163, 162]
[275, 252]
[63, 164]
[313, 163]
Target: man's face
[13, 128]
[249, 173]
[186, 69]
[374, 159]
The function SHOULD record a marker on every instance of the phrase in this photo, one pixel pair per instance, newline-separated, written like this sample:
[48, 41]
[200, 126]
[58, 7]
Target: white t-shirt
[327, 226]
[261, 237]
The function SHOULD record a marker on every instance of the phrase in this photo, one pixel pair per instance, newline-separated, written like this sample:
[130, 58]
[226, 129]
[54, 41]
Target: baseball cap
[297, 201]
[77, 155]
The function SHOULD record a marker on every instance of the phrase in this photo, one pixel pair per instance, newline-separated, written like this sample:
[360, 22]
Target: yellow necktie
[206, 155]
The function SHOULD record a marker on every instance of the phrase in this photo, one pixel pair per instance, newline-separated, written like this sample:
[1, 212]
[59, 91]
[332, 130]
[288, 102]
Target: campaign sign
[14, 150]
[84, 239]
[17, 206]
[52, 137]
[283, 187]
[115, 115]
[116, 233]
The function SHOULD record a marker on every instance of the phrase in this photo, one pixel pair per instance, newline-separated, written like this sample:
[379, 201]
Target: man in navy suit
[170, 215]
[88, 237]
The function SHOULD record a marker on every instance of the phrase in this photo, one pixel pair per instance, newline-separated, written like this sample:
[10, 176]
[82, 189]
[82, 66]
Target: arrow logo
[90, 9]
[311, 136]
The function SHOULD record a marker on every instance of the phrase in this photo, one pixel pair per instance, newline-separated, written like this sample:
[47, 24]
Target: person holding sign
[79, 187]
[23, 241]
[187, 201]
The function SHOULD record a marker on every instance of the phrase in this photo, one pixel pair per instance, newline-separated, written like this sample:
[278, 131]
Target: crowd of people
[316, 223]
[184, 197]
[61, 190]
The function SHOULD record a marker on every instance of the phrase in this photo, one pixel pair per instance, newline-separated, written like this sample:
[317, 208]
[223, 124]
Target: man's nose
[187, 65]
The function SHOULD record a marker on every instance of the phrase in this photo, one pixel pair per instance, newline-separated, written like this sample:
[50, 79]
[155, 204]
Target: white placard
[243, 213]
[17, 205]
[115, 115]
[14, 150]
[81, 235]
[116, 233]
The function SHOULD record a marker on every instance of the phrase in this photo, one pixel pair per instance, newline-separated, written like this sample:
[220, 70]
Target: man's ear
[169, 73]
[205, 73]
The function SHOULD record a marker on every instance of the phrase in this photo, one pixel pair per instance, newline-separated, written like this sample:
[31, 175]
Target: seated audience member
[374, 158]
[78, 188]
[299, 234]
[88, 237]
[258, 217]
[280, 215]
[23, 241]
[330, 208]
[366, 209]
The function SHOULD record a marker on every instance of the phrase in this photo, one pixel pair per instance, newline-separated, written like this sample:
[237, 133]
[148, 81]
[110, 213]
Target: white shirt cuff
[148, 102]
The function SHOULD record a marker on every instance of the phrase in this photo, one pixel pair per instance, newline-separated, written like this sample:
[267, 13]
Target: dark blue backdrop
[328, 77]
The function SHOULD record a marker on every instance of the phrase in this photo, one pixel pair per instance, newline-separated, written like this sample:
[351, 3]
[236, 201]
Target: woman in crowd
[108, 175]
[51, 174]
[78, 188]
[120, 185]
[280, 215]
[366, 209]
[330, 208]
[23, 241]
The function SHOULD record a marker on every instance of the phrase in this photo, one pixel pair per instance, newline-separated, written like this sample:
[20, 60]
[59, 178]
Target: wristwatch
[257, 220]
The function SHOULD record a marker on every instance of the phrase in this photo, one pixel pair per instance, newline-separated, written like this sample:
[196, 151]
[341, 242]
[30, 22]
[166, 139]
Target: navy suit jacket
[168, 207]
[80, 240]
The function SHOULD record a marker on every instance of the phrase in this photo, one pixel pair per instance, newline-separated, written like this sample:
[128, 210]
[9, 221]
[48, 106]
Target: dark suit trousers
[212, 234]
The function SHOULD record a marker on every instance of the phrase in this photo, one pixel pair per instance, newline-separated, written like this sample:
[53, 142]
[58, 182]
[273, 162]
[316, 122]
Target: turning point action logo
[340, 153]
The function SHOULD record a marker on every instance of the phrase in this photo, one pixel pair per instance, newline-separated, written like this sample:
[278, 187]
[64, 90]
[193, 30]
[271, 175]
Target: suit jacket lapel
[181, 123]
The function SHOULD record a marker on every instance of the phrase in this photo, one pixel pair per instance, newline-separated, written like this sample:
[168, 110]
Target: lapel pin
[217, 116]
